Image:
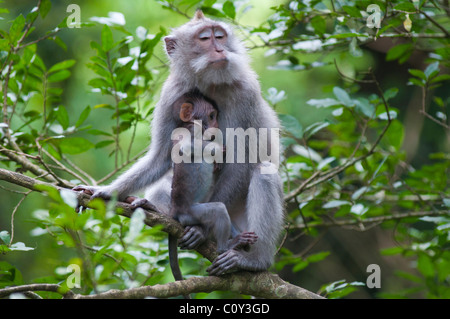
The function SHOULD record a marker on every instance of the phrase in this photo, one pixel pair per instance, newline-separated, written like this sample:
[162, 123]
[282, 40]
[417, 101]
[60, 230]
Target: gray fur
[254, 201]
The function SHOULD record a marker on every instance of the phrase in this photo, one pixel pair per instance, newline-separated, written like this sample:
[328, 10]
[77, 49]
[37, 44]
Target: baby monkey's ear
[186, 112]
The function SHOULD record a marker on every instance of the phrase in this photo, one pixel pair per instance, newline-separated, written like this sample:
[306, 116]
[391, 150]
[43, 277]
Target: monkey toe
[248, 238]
[191, 238]
[225, 263]
[101, 194]
[243, 241]
[85, 189]
[136, 202]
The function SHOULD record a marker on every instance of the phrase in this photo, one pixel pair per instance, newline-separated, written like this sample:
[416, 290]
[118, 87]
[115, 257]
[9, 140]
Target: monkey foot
[243, 241]
[93, 191]
[192, 237]
[88, 190]
[225, 263]
[136, 202]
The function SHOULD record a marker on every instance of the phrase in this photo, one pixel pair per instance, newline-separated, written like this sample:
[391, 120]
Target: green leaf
[354, 48]
[299, 266]
[346, 35]
[405, 6]
[399, 51]
[390, 93]
[99, 132]
[62, 116]
[59, 76]
[343, 96]
[392, 251]
[425, 265]
[4, 45]
[103, 105]
[229, 9]
[417, 82]
[19, 246]
[104, 144]
[357, 194]
[417, 73]
[364, 106]
[352, 11]
[359, 209]
[10, 276]
[16, 29]
[315, 127]
[319, 24]
[107, 38]
[5, 237]
[136, 225]
[318, 257]
[384, 116]
[441, 78]
[291, 125]
[446, 202]
[213, 12]
[99, 83]
[73, 145]
[83, 116]
[336, 203]
[62, 65]
[59, 42]
[432, 70]
[323, 102]
[46, 5]
[69, 197]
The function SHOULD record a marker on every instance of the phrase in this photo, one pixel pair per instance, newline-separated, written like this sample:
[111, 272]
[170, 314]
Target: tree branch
[261, 284]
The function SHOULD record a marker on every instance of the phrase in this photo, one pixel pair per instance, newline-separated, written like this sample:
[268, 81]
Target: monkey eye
[205, 35]
[212, 115]
[219, 34]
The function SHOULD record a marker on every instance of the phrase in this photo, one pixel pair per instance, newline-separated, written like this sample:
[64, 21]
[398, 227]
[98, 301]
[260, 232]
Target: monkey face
[199, 110]
[211, 42]
[211, 119]
[206, 52]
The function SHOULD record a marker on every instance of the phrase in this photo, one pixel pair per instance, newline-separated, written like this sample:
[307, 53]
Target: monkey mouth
[219, 63]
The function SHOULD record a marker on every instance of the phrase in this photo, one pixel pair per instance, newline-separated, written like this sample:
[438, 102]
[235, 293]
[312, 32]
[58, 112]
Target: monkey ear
[171, 44]
[186, 112]
[199, 15]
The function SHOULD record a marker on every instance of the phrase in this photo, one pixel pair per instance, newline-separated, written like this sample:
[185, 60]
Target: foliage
[347, 170]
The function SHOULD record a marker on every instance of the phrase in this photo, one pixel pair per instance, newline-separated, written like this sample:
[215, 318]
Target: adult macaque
[205, 54]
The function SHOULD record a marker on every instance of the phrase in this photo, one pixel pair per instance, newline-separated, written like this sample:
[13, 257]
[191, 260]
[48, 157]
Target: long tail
[173, 260]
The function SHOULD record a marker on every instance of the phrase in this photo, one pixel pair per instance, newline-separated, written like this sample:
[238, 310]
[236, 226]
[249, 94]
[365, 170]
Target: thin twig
[435, 23]
[14, 213]
[103, 179]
